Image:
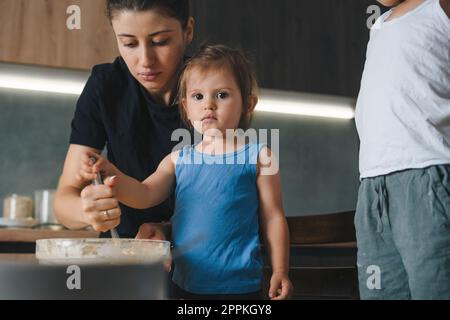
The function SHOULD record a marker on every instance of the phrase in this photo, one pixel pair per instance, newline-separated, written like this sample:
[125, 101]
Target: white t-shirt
[403, 108]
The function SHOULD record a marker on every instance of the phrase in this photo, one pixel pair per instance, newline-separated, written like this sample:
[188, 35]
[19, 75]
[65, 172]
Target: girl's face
[213, 100]
[152, 45]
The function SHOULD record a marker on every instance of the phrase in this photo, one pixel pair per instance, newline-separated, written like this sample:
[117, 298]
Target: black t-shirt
[115, 111]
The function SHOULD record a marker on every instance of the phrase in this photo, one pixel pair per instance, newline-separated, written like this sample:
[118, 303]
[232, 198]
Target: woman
[129, 107]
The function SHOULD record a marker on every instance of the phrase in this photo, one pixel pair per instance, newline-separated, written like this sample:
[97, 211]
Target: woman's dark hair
[178, 9]
[216, 57]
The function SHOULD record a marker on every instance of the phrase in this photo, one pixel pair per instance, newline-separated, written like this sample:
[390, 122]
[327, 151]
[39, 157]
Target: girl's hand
[280, 286]
[88, 170]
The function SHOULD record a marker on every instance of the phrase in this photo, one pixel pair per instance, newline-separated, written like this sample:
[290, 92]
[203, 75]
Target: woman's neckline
[155, 105]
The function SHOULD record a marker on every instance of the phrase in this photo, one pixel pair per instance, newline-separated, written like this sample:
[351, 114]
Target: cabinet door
[37, 32]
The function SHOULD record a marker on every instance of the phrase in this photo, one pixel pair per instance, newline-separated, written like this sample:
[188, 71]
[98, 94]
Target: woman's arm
[76, 209]
[274, 225]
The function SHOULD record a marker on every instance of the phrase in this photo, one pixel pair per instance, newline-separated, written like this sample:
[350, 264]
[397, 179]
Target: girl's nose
[210, 104]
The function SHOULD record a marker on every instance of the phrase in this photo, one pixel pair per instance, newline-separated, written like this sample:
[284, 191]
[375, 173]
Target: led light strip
[306, 104]
[41, 84]
[274, 101]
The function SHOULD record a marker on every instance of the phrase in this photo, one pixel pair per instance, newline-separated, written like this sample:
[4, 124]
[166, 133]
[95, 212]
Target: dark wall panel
[312, 46]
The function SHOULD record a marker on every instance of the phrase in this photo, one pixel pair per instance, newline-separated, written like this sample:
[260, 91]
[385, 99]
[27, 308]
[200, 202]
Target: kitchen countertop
[31, 235]
[19, 258]
[331, 245]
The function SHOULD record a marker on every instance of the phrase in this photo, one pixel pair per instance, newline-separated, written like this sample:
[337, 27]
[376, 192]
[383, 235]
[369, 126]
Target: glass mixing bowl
[102, 251]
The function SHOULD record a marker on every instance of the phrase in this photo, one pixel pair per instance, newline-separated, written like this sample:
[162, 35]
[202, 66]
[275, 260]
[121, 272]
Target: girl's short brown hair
[219, 56]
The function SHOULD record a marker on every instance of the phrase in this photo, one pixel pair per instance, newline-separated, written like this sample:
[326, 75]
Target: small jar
[43, 206]
[17, 207]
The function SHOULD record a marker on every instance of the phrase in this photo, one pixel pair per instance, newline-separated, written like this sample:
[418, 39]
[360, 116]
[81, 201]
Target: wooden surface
[31, 235]
[319, 267]
[334, 231]
[323, 265]
[35, 32]
[323, 229]
[336, 283]
[330, 245]
[25, 258]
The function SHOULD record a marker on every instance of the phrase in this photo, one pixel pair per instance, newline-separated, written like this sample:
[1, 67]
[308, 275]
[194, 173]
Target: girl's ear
[253, 101]
[183, 104]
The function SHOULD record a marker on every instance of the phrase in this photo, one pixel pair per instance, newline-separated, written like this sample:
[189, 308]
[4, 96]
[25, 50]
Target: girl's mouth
[208, 119]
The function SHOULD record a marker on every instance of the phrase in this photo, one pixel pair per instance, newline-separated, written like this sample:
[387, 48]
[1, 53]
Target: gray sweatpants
[403, 234]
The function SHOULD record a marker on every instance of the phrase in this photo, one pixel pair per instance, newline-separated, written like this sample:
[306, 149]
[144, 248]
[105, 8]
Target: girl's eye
[129, 45]
[197, 96]
[222, 95]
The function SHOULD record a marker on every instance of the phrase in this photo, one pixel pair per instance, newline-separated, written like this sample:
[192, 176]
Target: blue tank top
[215, 226]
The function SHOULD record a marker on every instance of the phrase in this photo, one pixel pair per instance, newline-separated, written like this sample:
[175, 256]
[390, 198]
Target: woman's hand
[281, 287]
[100, 208]
[151, 231]
[154, 231]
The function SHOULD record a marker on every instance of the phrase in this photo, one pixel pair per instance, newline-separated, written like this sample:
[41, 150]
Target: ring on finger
[106, 214]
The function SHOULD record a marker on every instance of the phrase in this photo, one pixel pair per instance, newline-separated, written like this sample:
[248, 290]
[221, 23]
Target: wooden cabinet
[309, 46]
[322, 257]
[36, 32]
